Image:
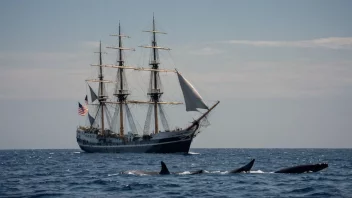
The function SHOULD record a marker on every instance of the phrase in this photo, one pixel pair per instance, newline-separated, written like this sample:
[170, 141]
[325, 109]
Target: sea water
[74, 173]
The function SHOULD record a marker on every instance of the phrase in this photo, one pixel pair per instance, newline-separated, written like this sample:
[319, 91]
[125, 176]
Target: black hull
[179, 146]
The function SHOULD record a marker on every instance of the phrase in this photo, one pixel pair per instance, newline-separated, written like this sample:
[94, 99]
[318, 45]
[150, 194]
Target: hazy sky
[281, 69]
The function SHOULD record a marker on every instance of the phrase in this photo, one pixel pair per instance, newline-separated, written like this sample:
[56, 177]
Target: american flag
[82, 110]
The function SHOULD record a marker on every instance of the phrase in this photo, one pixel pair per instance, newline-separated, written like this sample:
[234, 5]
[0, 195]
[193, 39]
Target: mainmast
[102, 98]
[121, 91]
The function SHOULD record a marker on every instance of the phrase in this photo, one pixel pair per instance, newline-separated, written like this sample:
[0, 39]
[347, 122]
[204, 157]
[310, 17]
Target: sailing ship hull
[164, 142]
[180, 146]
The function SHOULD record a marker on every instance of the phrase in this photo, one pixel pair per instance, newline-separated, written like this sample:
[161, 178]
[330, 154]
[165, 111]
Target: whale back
[320, 166]
[304, 168]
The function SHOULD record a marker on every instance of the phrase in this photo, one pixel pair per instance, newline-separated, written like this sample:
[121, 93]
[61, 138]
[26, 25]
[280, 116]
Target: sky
[280, 69]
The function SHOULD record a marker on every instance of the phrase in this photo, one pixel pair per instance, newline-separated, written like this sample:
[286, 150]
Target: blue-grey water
[74, 173]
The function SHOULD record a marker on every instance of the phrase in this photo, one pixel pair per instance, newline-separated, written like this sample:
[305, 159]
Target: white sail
[192, 98]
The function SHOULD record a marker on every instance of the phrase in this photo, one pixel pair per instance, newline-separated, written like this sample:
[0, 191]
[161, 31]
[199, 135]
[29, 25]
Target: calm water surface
[73, 173]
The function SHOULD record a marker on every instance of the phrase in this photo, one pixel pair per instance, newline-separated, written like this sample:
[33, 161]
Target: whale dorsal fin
[245, 168]
[249, 166]
[164, 170]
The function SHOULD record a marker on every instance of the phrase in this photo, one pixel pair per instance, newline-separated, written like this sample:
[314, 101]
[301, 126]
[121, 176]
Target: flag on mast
[82, 110]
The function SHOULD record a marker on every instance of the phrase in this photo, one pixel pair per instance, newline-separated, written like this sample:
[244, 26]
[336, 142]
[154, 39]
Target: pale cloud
[206, 51]
[62, 75]
[277, 80]
[84, 55]
[330, 43]
[251, 80]
[47, 75]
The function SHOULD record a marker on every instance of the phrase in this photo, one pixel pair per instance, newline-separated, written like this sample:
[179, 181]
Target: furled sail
[92, 94]
[192, 98]
[91, 119]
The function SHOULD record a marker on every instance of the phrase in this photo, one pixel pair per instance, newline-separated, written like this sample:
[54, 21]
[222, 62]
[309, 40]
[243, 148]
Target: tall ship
[109, 116]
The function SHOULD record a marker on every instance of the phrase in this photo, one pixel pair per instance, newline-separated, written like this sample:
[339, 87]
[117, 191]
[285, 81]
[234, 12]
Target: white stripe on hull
[132, 145]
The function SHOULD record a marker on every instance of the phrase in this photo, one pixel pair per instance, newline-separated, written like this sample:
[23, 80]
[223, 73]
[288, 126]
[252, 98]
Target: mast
[121, 92]
[155, 65]
[101, 89]
[155, 91]
[120, 95]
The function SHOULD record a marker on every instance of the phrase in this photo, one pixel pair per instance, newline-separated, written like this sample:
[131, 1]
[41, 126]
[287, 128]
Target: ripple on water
[171, 185]
[321, 194]
[137, 186]
[302, 190]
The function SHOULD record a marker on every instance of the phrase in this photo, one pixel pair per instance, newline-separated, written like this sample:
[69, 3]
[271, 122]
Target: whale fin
[245, 168]
[164, 170]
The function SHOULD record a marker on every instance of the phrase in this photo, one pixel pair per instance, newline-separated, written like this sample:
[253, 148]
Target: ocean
[74, 173]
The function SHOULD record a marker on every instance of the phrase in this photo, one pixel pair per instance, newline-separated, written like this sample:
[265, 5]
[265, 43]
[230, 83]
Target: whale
[244, 169]
[163, 171]
[304, 168]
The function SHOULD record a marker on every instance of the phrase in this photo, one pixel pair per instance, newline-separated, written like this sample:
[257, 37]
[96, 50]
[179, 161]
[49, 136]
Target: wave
[257, 171]
[184, 173]
[109, 175]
